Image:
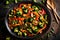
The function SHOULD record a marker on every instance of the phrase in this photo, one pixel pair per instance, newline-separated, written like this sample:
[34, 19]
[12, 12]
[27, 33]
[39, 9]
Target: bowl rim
[6, 21]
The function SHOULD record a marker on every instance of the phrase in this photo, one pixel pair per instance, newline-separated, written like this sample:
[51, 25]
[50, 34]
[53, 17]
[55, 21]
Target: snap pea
[36, 30]
[8, 38]
[10, 15]
[41, 24]
[7, 2]
[30, 19]
[20, 33]
[46, 22]
[35, 27]
[43, 1]
[46, 16]
[16, 1]
[16, 30]
[41, 17]
[35, 8]
[25, 10]
[26, 24]
[30, 25]
[23, 7]
[34, 0]
[30, 30]
[25, 34]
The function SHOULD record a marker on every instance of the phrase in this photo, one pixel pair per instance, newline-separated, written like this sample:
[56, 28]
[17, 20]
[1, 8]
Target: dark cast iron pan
[15, 5]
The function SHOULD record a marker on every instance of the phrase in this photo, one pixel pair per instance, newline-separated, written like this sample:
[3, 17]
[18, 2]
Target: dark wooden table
[53, 36]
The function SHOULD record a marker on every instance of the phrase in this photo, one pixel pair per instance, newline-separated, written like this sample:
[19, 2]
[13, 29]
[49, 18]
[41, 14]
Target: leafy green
[18, 13]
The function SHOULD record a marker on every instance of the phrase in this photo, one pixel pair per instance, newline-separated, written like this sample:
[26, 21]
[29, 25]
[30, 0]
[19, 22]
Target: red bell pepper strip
[42, 12]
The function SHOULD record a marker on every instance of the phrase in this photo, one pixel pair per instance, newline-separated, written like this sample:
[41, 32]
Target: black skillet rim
[45, 8]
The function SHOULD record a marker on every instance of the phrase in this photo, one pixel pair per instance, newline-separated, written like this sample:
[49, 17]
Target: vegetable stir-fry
[27, 20]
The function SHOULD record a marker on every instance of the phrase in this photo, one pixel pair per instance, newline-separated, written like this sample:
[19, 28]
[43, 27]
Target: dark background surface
[57, 2]
[4, 33]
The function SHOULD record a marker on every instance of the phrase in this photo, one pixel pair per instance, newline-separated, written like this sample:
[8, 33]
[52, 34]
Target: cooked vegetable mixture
[27, 20]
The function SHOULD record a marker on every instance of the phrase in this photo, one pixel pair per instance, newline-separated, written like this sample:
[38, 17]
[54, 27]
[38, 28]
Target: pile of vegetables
[27, 20]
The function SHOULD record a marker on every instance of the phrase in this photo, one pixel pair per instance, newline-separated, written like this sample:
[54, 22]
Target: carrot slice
[23, 30]
[20, 19]
[37, 15]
